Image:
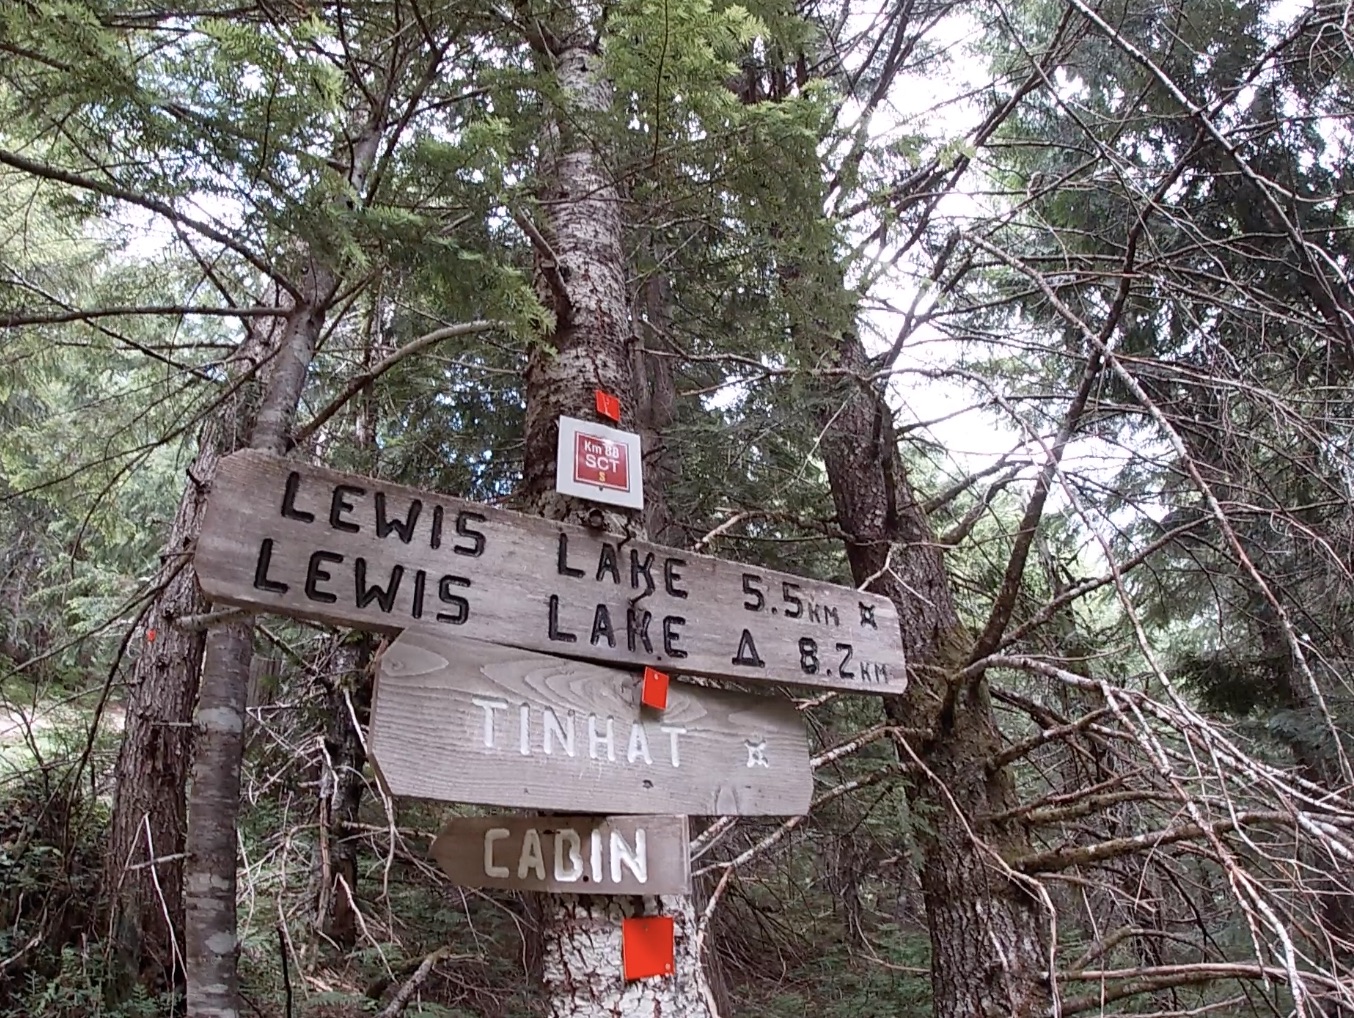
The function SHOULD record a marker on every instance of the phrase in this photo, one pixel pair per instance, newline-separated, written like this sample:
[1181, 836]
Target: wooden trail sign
[464, 721]
[572, 854]
[301, 540]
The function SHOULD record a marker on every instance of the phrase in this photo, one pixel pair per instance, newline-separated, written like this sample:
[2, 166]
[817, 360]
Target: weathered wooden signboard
[300, 540]
[569, 854]
[459, 720]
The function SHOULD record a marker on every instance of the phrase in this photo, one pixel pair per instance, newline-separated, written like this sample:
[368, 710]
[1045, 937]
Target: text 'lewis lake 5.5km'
[305, 541]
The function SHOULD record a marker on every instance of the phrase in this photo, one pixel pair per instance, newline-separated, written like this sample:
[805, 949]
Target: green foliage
[52, 832]
[734, 162]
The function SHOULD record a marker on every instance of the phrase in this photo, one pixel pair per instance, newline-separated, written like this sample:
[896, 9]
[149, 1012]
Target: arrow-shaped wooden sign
[300, 540]
[464, 721]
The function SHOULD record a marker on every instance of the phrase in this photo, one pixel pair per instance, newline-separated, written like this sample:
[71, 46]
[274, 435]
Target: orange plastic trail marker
[609, 406]
[647, 946]
[654, 692]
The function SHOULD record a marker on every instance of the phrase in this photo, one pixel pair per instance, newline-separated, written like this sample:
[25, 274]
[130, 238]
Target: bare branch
[360, 381]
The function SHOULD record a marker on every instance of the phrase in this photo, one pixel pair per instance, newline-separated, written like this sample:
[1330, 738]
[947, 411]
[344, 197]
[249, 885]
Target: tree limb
[1065, 857]
[360, 381]
[1163, 977]
[19, 319]
[47, 171]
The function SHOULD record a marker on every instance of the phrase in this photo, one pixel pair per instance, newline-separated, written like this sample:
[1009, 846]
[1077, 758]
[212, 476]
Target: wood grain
[572, 854]
[299, 540]
[447, 723]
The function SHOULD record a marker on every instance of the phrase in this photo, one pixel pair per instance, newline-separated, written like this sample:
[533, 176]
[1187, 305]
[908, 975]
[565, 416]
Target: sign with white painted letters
[305, 541]
[458, 720]
[573, 854]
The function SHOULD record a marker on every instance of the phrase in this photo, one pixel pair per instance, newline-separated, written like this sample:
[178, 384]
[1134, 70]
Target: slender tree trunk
[143, 865]
[655, 411]
[209, 893]
[340, 790]
[214, 799]
[656, 405]
[582, 277]
[343, 756]
[988, 951]
[146, 902]
[210, 884]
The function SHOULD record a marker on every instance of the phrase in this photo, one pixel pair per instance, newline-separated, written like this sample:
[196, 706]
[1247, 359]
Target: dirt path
[17, 721]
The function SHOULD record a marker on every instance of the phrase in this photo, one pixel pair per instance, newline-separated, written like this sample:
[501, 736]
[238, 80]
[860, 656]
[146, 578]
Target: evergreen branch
[1015, 751]
[117, 337]
[965, 526]
[47, 171]
[1100, 345]
[548, 262]
[1045, 815]
[1267, 186]
[19, 319]
[1086, 586]
[360, 381]
[943, 498]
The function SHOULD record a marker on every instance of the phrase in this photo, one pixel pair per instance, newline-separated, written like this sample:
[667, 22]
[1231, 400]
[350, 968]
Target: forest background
[1034, 316]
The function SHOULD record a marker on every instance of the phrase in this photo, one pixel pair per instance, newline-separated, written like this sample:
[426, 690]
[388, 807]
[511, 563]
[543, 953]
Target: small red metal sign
[601, 461]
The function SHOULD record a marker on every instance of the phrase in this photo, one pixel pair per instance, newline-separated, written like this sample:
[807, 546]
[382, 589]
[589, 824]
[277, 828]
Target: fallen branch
[1067, 856]
[1165, 977]
[401, 999]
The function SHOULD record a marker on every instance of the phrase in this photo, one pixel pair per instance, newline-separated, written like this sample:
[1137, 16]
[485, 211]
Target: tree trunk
[340, 791]
[213, 979]
[146, 903]
[214, 797]
[656, 405]
[582, 278]
[344, 754]
[209, 892]
[988, 952]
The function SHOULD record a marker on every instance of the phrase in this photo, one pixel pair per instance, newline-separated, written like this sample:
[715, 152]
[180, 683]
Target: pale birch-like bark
[145, 898]
[210, 878]
[581, 276]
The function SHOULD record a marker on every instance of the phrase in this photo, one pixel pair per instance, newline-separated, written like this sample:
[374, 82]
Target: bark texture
[210, 883]
[209, 888]
[656, 405]
[581, 275]
[144, 862]
[989, 955]
[214, 799]
[340, 791]
[146, 902]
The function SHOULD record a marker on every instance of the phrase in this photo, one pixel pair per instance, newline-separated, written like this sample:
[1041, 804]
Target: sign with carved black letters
[305, 541]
